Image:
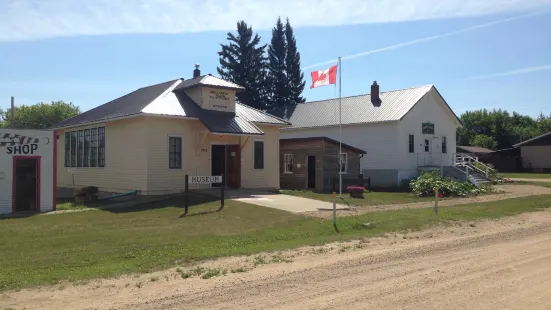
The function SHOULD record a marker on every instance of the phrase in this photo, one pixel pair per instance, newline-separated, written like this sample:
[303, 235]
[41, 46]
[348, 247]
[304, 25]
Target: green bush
[492, 172]
[424, 186]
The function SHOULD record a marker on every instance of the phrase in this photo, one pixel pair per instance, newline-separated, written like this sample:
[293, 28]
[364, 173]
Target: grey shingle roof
[474, 149]
[327, 139]
[208, 80]
[165, 99]
[355, 110]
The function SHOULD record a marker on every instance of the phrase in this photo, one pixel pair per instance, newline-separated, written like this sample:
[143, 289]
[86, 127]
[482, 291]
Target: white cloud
[513, 72]
[39, 19]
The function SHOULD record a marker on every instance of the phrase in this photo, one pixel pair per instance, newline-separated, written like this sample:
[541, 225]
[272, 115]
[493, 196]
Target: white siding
[431, 109]
[46, 152]
[378, 140]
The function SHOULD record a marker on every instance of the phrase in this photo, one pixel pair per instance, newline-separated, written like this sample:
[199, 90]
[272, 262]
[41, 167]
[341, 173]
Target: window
[343, 162]
[288, 168]
[175, 153]
[411, 143]
[427, 145]
[86, 159]
[67, 149]
[80, 149]
[73, 149]
[101, 146]
[444, 145]
[85, 148]
[94, 147]
[258, 154]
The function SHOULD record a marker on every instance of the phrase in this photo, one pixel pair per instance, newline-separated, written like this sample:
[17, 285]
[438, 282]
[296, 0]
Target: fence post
[186, 190]
[486, 172]
[222, 192]
[436, 200]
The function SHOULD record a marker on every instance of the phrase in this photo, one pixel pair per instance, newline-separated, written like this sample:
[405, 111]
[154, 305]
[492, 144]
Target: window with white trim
[444, 145]
[343, 161]
[411, 144]
[175, 152]
[85, 148]
[258, 154]
[288, 166]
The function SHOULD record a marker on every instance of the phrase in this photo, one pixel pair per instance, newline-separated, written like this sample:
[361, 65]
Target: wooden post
[335, 211]
[186, 199]
[222, 192]
[436, 200]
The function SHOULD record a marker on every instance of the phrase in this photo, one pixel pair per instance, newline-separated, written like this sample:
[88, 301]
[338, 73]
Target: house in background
[474, 151]
[402, 131]
[149, 139]
[313, 163]
[536, 153]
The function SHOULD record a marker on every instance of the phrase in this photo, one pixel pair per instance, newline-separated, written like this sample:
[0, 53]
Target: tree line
[498, 129]
[270, 73]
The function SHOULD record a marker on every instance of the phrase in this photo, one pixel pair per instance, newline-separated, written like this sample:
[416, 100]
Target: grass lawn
[370, 199]
[46, 249]
[527, 175]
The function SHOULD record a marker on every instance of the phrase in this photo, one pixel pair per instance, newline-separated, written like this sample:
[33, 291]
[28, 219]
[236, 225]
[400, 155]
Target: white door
[427, 151]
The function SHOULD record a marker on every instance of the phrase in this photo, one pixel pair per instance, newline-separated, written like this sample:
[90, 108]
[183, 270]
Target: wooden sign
[205, 179]
[428, 128]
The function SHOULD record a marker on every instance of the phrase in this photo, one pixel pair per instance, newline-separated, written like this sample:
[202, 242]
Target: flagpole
[340, 129]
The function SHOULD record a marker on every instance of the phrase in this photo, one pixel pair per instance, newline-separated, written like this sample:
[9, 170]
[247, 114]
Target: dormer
[209, 92]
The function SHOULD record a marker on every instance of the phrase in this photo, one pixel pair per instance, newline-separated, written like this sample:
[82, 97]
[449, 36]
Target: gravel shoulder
[509, 191]
[490, 264]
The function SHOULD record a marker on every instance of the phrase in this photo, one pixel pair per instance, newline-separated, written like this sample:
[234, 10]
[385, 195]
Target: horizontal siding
[269, 176]
[125, 159]
[378, 140]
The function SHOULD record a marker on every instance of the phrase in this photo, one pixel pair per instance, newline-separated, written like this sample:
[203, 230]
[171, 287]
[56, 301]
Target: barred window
[85, 148]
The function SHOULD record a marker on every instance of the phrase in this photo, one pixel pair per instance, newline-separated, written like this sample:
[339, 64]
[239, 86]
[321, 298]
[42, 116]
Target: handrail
[471, 163]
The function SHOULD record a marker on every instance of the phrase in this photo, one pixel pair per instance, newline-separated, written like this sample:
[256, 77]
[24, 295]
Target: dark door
[233, 166]
[311, 171]
[26, 184]
[218, 161]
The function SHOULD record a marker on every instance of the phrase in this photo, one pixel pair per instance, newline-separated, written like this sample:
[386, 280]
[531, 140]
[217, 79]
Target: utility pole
[12, 112]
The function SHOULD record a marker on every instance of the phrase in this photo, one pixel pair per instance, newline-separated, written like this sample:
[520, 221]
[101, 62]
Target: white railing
[469, 162]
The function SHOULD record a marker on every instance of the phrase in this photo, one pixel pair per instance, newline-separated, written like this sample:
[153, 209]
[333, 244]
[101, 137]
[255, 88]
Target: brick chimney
[375, 99]
[196, 72]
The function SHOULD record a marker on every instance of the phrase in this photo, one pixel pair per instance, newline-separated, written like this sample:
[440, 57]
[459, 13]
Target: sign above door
[427, 128]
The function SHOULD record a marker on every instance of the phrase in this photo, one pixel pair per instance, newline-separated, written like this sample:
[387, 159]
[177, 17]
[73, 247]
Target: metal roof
[355, 109]
[474, 149]
[327, 139]
[209, 80]
[544, 139]
[162, 99]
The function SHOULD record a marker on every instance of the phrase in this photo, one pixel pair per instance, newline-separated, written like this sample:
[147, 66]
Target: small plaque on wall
[428, 128]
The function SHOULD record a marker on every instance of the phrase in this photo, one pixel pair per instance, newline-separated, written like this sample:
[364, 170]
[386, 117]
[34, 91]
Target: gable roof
[165, 99]
[544, 139]
[327, 139]
[210, 81]
[355, 109]
[474, 149]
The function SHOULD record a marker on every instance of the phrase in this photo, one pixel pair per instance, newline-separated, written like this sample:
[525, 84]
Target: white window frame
[168, 151]
[263, 154]
[444, 139]
[345, 163]
[286, 163]
[411, 134]
[83, 129]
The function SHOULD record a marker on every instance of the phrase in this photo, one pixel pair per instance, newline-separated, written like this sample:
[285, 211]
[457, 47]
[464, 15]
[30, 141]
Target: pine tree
[277, 75]
[294, 75]
[242, 61]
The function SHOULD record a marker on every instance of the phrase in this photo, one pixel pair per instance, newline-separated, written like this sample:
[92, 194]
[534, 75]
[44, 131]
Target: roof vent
[196, 72]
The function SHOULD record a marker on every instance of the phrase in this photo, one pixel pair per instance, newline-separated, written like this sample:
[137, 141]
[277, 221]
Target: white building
[402, 131]
[27, 170]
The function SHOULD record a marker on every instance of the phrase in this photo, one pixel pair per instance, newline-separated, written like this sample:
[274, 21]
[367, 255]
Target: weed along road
[489, 264]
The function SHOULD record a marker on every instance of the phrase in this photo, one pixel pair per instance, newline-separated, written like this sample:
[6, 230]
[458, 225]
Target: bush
[424, 186]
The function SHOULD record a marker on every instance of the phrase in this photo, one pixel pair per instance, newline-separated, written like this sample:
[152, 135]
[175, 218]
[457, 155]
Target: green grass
[78, 246]
[370, 198]
[527, 175]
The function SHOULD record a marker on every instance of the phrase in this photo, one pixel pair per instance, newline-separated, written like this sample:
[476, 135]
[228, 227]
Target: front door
[218, 161]
[26, 184]
[311, 171]
[428, 152]
[233, 166]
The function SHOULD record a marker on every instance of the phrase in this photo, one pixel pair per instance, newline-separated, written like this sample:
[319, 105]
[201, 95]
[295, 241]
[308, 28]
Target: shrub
[492, 172]
[424, 186]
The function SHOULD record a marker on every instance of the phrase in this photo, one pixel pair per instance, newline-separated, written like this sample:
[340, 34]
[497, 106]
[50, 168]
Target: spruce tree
[294, 75]
[242, 61]
[277, 75]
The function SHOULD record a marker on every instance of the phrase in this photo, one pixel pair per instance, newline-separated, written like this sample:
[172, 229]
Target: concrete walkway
[275, 200]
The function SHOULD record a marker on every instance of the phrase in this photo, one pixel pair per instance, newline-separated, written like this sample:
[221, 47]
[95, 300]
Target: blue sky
[90, 52]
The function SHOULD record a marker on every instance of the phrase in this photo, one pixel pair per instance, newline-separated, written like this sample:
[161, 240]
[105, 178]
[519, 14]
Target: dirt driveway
[509, 191]
[502, 264]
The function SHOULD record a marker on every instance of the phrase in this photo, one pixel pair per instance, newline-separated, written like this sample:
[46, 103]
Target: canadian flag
[324, 77]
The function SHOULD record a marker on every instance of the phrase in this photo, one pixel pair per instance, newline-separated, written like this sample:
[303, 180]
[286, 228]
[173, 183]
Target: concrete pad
[286, 202]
